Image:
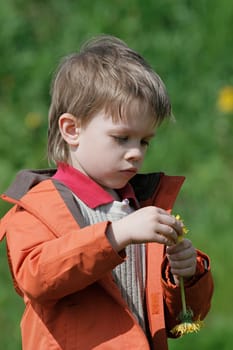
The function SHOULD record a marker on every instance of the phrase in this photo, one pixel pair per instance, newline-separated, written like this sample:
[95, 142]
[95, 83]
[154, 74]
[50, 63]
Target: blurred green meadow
[190, 44]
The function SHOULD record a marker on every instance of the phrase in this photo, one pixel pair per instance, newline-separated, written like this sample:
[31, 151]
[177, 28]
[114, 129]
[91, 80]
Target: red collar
[87, 189]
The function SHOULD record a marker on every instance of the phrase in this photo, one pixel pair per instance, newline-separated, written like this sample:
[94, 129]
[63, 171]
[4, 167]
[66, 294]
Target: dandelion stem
[182, 291]
[187, 324]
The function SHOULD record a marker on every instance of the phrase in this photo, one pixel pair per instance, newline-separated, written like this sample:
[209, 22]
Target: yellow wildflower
[33, 120]
[184, 229]
[187, 327]
[225, 99]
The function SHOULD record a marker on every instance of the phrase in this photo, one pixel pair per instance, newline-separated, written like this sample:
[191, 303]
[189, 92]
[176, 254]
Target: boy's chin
[111, 186]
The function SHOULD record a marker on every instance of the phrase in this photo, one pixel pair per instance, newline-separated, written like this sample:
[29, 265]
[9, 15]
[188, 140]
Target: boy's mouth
[131, 171]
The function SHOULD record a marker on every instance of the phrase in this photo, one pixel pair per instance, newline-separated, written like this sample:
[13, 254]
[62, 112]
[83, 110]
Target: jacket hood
[143, 184]
[25, 180]
[147, 187]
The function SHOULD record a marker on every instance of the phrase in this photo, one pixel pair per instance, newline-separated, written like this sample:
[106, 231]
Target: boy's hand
[149, 224]
[182, 259]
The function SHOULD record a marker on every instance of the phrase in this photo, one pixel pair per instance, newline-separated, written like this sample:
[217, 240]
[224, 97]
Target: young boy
[92, 246]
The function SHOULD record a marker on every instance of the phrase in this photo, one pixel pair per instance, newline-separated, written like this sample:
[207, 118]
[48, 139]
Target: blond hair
[105, 75]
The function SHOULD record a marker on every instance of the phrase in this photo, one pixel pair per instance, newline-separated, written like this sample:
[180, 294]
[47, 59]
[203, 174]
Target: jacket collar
[150, 189]
[92, 194]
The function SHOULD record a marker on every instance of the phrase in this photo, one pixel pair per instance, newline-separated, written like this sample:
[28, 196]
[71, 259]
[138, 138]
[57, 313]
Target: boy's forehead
[129, 120]
[132, 123]
[130, 111]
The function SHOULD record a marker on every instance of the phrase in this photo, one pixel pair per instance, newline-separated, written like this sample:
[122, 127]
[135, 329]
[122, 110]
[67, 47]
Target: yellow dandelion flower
[184, 229]
[225, 99]
[187, 327]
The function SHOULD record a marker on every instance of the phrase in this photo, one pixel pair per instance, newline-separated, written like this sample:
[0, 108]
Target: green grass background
[190, 45]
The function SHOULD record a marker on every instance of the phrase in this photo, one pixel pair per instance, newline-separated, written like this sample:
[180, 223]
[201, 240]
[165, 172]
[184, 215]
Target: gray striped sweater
[130, 275]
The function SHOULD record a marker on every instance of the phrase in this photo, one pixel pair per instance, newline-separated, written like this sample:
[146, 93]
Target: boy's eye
[145, 142]
[124, 139]
[121, 139]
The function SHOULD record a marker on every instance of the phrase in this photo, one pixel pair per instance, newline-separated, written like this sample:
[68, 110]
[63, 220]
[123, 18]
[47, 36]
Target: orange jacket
[63, 272]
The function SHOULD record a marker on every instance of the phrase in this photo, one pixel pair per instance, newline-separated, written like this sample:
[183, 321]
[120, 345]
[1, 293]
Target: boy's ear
[70, 128]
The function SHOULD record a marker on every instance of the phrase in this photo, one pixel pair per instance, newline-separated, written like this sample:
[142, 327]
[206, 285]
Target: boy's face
[111, 153]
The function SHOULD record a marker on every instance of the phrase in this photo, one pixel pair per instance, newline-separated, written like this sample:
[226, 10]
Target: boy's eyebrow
[125, 129]
[151, 135]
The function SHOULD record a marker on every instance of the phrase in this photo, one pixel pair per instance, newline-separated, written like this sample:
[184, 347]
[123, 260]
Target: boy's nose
[135, 154]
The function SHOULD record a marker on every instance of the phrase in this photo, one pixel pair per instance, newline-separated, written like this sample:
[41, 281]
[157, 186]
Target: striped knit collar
[88, 190]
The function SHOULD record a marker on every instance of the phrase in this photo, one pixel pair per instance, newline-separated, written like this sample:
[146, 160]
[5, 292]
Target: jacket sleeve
[198, 292]
[47, 268]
